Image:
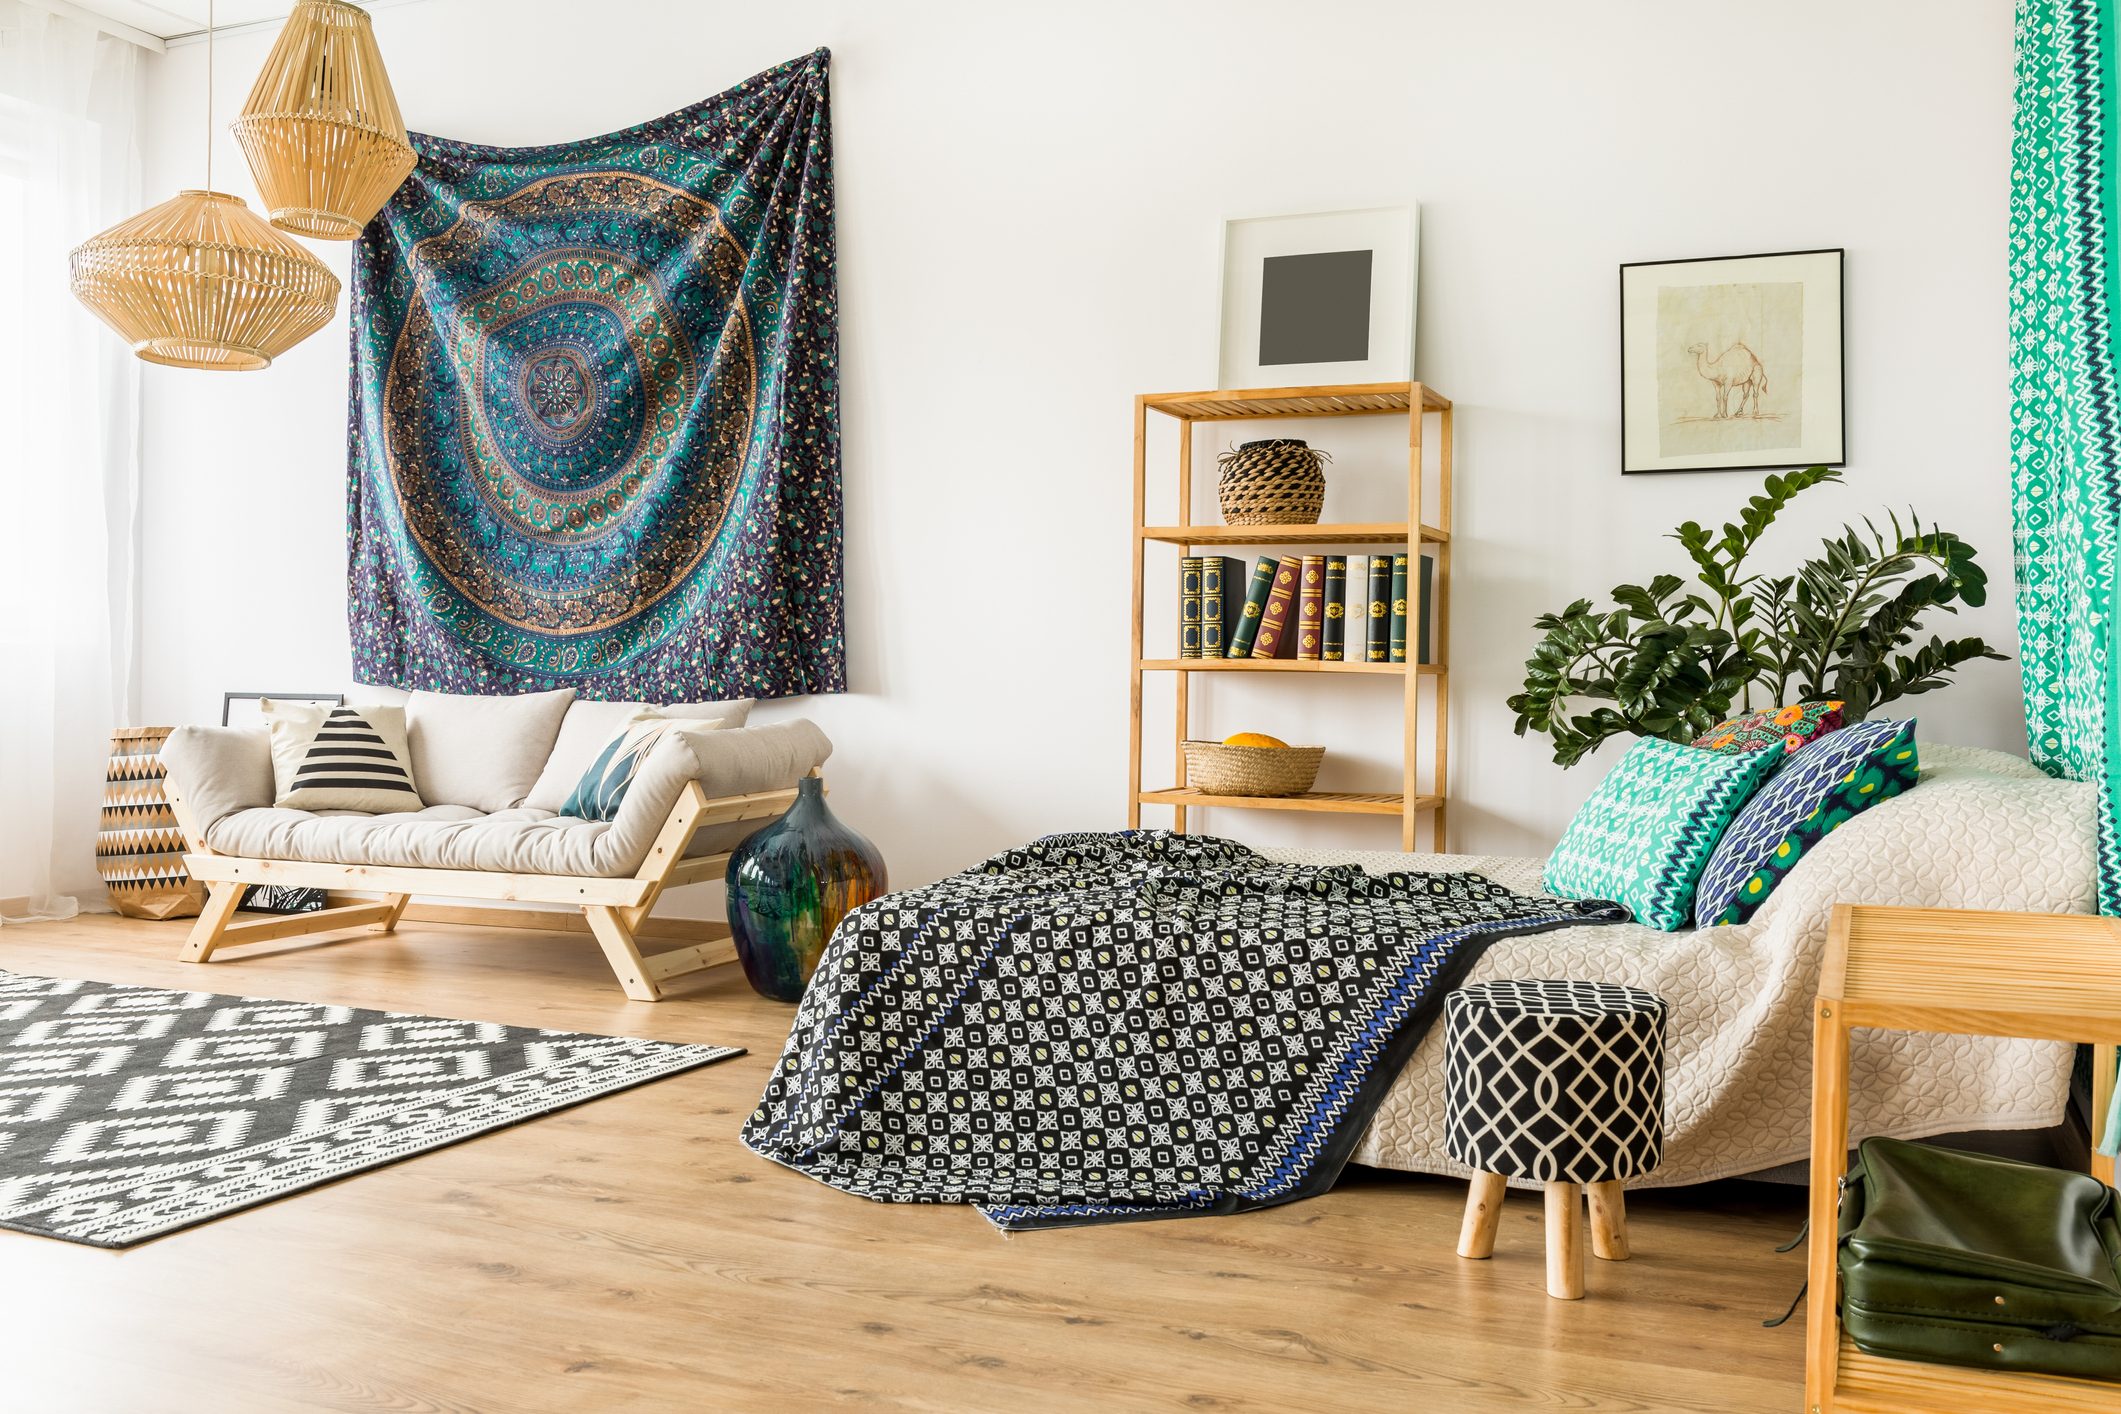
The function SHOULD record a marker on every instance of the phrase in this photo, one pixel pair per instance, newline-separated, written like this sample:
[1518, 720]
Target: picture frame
[1733, 363]
[234, 716]
[1319, 298]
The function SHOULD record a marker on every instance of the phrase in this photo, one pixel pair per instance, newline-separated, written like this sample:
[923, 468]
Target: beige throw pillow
[480, 751]
[340, 758]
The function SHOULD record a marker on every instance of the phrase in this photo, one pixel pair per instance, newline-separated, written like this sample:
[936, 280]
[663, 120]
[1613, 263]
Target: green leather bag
[1965, 1259]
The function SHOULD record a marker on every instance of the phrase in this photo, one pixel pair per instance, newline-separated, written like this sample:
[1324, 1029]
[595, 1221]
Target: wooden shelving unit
[1423, 526]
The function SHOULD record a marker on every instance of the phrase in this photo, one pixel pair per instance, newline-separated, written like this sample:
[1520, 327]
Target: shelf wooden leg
[1476, 1236]
[1565, 1241]
[2102, 1104]
[1609, 1221]
[1830, 1128]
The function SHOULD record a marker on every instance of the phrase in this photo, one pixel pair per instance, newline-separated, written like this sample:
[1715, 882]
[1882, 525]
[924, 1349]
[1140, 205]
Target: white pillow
[484, 752]
[340, 758]
[589, 728]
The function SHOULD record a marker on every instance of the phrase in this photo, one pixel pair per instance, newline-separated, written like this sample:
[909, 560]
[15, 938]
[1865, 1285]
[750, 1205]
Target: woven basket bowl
[1215, 769]
[1277, 482]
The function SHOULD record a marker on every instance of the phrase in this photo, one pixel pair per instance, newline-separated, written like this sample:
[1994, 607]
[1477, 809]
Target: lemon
[1254, 739]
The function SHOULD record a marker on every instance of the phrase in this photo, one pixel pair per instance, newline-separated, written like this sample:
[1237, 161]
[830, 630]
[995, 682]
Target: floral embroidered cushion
[1642, 838]
[1773, 728]
[1834, 779]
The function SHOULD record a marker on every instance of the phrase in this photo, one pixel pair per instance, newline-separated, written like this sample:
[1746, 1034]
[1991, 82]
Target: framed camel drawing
[1732, 363]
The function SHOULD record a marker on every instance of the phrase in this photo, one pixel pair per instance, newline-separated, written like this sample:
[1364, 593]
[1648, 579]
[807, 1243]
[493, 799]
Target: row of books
[1299, 606]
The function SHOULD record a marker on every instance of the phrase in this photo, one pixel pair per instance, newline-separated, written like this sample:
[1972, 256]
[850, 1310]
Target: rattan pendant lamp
[200, 281]
[321, 127]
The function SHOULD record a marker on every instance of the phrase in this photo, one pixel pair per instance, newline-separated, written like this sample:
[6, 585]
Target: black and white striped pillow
[340, 758]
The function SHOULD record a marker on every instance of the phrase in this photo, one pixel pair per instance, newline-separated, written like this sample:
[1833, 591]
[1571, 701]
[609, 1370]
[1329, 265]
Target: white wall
[1030, 200]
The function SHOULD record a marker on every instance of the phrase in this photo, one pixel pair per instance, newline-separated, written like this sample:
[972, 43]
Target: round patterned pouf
[1562, 1082]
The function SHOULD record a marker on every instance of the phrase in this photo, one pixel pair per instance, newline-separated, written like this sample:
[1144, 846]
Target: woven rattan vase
[1215, 769]
[139, 845]
[1275, 482]
[321, 127]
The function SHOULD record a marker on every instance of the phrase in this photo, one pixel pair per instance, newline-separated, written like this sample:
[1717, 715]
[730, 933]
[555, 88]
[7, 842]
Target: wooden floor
[630, 1254]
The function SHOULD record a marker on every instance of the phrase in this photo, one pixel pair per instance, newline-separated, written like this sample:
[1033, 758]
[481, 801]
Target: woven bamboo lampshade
[201, 282]
[321, 127]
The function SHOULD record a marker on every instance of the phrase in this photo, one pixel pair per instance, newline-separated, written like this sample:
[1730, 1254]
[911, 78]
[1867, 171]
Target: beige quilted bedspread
[1982, 830]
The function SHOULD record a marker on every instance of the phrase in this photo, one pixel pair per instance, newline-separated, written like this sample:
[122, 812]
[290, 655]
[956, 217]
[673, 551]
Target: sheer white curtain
[68, 454]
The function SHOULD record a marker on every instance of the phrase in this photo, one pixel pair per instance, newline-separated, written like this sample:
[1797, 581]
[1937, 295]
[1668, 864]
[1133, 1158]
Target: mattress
[1981, 830]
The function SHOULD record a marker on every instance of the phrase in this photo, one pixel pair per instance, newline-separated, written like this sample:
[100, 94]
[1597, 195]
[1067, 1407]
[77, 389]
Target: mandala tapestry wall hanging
[594, 433]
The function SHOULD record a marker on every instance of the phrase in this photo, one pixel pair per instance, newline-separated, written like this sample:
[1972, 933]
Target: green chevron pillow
[603, 786]
[1646, 833]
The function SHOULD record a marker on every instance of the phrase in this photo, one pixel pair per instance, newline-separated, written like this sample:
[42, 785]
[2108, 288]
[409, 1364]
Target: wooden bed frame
[615, 908]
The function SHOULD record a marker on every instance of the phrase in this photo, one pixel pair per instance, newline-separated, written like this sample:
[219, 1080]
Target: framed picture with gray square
[1320, 298]
[1732, 363]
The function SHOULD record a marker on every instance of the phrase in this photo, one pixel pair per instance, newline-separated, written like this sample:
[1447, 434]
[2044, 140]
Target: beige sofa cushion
[439, 837]
[220, 770]
[589, 727]
[484, 752]
[528, 840]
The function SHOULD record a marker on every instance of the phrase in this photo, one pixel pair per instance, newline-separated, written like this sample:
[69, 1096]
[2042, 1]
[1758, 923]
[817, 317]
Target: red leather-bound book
[1277, 622]
[1311, 610]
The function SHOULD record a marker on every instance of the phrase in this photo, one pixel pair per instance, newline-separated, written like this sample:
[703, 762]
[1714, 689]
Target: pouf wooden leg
[1560, 1083]
[1565, 1241]
[1609, 1221]
[1476, 1236]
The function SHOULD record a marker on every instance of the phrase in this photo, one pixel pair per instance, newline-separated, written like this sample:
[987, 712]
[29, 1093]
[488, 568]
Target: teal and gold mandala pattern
[595, 411]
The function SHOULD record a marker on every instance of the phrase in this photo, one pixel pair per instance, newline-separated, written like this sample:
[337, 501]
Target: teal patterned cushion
[603, 786]
[1645, 834]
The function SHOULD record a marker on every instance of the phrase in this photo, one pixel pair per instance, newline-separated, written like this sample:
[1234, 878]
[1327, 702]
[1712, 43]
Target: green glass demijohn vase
[790, 885]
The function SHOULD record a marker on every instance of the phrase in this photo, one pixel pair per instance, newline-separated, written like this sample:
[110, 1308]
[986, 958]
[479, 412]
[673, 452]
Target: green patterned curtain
[2066, 406]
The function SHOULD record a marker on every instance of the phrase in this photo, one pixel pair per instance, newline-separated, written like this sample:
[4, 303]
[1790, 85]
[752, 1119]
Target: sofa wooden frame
[615, 908]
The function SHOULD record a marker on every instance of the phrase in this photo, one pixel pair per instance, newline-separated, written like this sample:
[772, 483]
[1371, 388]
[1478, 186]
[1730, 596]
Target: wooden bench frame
[616, 908]
[2049, 977]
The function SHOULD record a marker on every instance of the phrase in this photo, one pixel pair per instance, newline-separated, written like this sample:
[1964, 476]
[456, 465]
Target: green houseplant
[1671, 659]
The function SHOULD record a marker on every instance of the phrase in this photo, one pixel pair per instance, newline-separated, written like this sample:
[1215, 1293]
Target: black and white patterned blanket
[1101, 1027]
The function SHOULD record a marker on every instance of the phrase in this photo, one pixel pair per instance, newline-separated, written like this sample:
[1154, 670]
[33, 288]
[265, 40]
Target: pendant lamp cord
[209, 95]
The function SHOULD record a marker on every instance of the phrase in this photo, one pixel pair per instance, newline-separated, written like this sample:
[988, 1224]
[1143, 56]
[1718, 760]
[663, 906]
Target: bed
[1983, 830]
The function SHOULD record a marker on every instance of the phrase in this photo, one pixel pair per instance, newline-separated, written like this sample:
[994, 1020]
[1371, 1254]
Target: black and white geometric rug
[128, 1112]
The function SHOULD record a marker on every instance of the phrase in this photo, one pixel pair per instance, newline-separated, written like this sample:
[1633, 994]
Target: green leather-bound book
[1189, 606]
[1240, 645]
[1428, 610]
[1377, 645]
[1399, 609]
[1336, 635]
